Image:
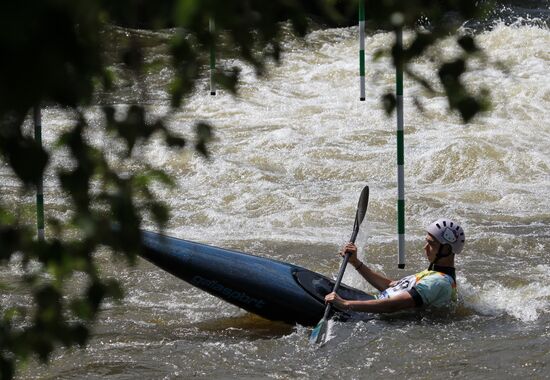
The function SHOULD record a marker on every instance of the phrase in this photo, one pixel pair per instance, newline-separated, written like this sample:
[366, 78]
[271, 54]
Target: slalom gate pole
[362, 49]
[37, 118]
[400, 150]
[212, 28]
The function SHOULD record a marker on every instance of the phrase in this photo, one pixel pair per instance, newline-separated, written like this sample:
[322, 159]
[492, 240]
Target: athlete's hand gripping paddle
[319, 333]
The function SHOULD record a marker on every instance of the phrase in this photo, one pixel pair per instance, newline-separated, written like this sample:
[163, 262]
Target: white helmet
[445, 231]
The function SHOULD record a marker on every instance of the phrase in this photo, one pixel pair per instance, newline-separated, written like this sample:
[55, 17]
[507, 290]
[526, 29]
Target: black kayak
[270, 288]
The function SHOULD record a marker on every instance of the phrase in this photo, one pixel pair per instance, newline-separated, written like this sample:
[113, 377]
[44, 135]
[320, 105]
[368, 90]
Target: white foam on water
[291, 150]
[524, 302]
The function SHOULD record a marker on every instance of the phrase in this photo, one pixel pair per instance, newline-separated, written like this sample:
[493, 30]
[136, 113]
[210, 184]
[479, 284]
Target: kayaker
[435, 286]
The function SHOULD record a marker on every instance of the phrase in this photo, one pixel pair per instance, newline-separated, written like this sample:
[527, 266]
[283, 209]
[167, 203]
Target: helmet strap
[438, 255]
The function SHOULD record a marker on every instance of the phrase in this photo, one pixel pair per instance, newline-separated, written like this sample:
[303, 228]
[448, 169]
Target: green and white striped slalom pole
[211, 27]
[37, 118]
[400, 151]
[362, 49]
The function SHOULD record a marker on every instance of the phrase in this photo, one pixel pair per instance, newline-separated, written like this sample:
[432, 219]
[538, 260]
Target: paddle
[319, 333]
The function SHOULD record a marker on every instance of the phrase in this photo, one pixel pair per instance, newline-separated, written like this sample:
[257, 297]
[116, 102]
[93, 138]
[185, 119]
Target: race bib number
[403, 285]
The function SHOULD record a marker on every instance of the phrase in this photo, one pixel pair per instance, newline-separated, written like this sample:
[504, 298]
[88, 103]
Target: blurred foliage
[432, 21]
[53, 53]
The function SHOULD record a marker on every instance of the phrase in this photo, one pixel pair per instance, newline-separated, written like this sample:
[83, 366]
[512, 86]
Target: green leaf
[467, 43]
[389, 102]
[203, 133]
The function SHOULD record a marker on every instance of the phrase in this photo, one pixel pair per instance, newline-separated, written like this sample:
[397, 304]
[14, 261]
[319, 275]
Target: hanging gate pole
[362, 49]
[212, 27]
[400, 151]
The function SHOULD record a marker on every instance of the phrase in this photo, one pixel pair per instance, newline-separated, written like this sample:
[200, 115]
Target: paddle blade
[319, 332]
[362, 205]
[361, 212]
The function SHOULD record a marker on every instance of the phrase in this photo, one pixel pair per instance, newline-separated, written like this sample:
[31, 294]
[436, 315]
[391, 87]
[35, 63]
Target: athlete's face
[431, 247]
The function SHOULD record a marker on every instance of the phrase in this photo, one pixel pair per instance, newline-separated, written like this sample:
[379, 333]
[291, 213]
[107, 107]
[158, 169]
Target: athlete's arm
[401, 301]
[375, 279]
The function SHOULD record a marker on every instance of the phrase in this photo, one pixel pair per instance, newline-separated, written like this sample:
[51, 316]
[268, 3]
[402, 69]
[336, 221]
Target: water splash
[524, 302]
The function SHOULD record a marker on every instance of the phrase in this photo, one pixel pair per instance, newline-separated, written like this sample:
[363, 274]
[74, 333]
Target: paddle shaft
[337, 284]
[342, 268]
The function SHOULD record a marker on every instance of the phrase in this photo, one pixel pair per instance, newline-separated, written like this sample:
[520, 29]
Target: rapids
[291, 154]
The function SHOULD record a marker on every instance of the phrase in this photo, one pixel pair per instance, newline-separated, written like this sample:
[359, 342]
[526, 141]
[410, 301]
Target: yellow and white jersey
[428, 288]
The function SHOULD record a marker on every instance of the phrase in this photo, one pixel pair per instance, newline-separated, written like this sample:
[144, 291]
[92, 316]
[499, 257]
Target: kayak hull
[270, 288]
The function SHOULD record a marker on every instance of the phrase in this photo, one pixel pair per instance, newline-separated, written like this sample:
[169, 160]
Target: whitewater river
[292, 152]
